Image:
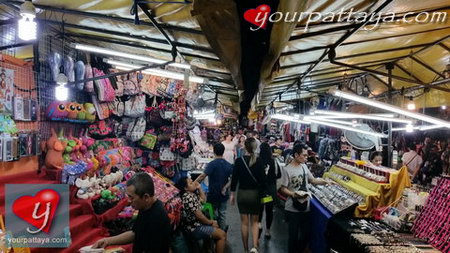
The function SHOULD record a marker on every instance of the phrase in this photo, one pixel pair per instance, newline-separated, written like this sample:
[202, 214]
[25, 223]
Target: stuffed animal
[91, 113]
[72, 110]
[96, 188]
[83, 185]
[81, 112]
[57, 111]
[54, 152]
[107, 195]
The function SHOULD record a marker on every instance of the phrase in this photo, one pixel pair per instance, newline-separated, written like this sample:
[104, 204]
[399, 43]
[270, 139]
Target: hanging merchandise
[148, 141]
[104, 89]
[135, 107]
[165, 154]
[131, 84]
[118, 107]
[100, 130]
[136, 129]
[152, 114]
[89, 86]
[149, 85]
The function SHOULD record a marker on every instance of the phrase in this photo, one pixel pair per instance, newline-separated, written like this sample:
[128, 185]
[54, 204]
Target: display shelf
[335, 198]
[366, 170]
[352, 186]
[376, 194]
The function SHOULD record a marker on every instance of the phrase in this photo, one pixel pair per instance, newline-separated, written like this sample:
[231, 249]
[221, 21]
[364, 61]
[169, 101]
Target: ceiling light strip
[110, 52]
[347, 128]
[391, 108]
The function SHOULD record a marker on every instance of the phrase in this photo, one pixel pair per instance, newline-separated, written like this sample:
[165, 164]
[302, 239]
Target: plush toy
[81, 112]
[54, 152]
[91, 113]
[96, 188]
[72, 110]
[57, 111]
[107, 195]
[83, 185]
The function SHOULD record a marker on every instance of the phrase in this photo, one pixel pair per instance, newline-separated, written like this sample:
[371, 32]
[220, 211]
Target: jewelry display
[335, 197]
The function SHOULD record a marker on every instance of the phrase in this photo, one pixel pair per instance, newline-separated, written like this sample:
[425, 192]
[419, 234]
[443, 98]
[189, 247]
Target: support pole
[390, 67]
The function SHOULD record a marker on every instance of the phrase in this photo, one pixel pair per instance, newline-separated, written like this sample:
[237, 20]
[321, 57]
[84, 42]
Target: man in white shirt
[412, 160]
[295, 177]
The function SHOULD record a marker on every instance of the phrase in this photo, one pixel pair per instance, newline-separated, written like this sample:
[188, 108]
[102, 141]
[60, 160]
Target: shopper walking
[294, 184]
[218, 172]
[193, 221]
[248, 173]
[240, 146]
[151, 231]
[229, 145]
[273, 172]
[412, 160]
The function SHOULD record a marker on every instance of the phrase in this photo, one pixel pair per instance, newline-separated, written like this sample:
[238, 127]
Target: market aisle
[277, 244]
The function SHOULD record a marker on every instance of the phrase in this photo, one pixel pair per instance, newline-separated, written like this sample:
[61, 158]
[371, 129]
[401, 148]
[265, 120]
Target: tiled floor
[277, 244]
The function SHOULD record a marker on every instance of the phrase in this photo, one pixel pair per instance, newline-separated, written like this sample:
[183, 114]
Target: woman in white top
[412, 160]
[230, 153]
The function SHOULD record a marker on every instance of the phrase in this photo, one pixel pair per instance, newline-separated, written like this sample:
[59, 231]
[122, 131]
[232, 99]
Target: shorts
[248, 201]
[203, 232]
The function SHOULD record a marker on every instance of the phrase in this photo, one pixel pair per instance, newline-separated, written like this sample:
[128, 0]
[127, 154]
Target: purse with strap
[265, 198]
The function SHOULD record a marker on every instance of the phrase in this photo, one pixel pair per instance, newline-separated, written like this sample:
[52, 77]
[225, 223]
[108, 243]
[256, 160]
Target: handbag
[166, 155]
[136, 129]
[131, 85]
[135, 107]
[302, 204]
[105, 91]
[265, 198]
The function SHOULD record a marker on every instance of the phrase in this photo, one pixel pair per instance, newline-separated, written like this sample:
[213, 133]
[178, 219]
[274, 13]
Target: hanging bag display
[135, 107]
[131, 84]
[153, 116]
[105, 91]
[118, 107]
[166, 155]
[149, 85]
[148, 141]
[136, 129]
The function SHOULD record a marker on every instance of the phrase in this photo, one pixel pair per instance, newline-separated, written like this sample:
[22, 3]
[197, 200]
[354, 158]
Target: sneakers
[253, 250]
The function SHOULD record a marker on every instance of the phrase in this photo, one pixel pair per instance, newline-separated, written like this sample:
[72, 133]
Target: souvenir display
[335, 197]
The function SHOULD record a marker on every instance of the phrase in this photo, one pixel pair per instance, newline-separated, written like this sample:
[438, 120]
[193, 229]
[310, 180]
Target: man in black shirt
[151, 231]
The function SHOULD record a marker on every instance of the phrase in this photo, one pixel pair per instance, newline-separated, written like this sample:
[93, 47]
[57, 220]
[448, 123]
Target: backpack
[131, 84]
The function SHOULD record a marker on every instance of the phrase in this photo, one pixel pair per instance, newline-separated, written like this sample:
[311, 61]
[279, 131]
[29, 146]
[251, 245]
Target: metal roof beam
[126, 35]
[426, 66]
[374, 52]
[112, 18]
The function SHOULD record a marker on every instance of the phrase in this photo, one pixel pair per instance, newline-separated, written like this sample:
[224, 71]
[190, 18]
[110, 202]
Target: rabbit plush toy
[54, 149]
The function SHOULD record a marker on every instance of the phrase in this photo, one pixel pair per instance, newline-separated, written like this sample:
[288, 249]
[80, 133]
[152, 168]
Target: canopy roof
[212, 36]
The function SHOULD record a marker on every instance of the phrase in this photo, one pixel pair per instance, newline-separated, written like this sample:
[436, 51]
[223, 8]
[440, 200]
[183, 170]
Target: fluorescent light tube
[106, 51]
[163, 73]
[391, 108]
[333, 121]
[361, 116]
[289, 118]
[347, 128]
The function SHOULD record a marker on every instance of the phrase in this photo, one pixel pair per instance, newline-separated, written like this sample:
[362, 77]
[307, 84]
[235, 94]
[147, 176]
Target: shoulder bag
[265, 198]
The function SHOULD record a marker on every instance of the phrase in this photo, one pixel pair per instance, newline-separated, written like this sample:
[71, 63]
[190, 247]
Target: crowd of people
[249, 172]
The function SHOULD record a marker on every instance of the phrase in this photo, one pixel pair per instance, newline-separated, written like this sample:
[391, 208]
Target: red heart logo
[258, 16]
[38, 210]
